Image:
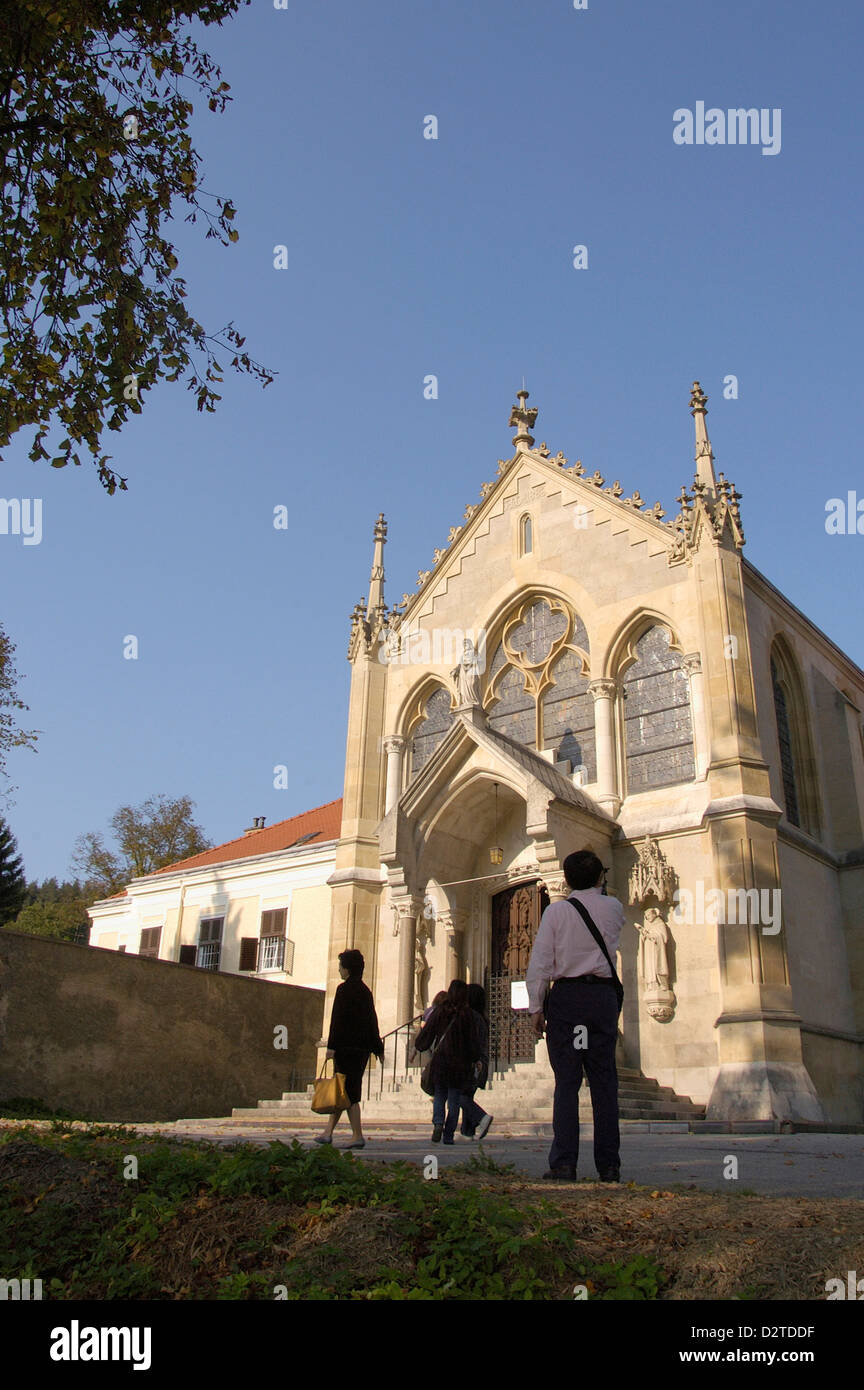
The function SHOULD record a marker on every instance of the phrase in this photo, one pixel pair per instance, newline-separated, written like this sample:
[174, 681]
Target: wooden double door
[516, 914]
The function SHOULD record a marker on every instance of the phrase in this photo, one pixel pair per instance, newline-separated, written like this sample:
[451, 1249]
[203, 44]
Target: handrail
[393, 1033]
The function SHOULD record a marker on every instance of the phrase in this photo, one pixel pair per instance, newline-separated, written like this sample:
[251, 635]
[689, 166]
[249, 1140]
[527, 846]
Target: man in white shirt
[581, 1015]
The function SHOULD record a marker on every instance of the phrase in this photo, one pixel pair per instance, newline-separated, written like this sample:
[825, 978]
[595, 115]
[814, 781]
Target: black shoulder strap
[589, 922]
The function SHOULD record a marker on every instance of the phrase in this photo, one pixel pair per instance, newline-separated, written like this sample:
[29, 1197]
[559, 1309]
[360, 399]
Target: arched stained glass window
[787, 757]
[515, 711]
[432, 728]
[568, 716]
[658, 732]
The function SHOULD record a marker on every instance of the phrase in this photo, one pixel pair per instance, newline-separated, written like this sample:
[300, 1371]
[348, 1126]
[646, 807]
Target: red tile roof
[321, 824]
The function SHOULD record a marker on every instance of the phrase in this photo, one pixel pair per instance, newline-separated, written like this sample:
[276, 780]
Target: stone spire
[703, 456]
[376, 578]
[523, 420]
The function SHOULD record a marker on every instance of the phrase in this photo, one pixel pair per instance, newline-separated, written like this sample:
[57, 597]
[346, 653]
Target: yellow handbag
[330, 1096]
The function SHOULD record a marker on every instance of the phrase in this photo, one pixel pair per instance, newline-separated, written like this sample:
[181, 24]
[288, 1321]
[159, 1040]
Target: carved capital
[557, 887]
[394, 743]
[692, 663]
[602, 689]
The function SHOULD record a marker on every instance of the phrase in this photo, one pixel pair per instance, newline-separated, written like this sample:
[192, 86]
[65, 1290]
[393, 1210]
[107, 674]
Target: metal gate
[515, 918]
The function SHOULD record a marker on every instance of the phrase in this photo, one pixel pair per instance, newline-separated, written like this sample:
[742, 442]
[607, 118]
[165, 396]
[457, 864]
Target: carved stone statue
[421, 971]
[653, 960]
[467, 675]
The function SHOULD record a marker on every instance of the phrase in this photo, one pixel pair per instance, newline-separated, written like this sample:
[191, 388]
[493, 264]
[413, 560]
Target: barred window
[209, 943]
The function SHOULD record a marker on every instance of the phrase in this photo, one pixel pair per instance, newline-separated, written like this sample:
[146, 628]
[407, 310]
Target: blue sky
[406, 257]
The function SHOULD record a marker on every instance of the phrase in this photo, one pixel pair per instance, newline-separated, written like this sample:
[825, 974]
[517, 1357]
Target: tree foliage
[95, 149]
[11, 734]
[13, 886]
[148, 837]
[58, 910]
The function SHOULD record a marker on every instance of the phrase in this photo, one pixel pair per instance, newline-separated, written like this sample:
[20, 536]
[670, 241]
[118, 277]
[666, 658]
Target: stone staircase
[520, 1095]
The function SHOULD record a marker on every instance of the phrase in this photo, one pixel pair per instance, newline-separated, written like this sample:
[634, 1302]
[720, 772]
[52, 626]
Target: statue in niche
[467, 675]
[421, 971]
[653, 960]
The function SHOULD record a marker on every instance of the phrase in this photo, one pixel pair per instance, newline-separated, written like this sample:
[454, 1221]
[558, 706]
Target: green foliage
[158, 832]
[95, 113]
[450, 1240]
[26, 1108]
[13, 886]
[63, 921]
[637, 1279]
[11, 735]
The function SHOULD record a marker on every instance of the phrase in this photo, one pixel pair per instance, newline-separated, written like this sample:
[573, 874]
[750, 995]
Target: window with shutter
[248, 952]
[273, 927]
[149, 944]
[288, 963]
[187, 955]
[209, 943]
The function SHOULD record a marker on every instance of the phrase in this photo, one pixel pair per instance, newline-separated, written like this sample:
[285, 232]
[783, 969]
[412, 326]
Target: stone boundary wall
[117, 1037]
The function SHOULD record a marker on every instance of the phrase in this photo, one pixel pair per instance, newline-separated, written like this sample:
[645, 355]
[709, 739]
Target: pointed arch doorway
[516, 914]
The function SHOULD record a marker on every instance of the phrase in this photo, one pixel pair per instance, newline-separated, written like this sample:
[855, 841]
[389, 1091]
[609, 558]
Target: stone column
[394, 747]
[692, 666]
[409, 911]
[603, 692]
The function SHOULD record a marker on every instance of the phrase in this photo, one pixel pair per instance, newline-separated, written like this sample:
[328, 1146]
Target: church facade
[578, 670]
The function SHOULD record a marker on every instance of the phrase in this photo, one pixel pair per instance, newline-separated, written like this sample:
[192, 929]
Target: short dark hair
[353, 962]
[477, 998]
[457, 994]
[583, 869]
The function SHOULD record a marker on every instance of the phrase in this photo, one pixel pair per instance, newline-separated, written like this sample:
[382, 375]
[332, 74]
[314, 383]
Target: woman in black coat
[453, 1031]
[353, 1035]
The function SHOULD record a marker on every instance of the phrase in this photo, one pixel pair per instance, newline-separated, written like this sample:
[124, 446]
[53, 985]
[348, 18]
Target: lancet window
[796, 758]
[431, 729]
[658, 729]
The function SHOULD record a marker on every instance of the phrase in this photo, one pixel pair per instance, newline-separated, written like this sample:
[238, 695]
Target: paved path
[797, 1165]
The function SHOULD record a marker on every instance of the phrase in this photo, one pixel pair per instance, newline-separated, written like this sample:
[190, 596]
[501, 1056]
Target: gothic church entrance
[516, 914]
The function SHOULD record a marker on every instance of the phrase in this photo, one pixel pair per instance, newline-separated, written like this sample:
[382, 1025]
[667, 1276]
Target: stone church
[578, 669]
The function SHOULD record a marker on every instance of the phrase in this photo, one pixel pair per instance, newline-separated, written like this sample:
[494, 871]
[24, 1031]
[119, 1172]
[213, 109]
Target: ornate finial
[376, 577]
[523, 419]
[704, 455]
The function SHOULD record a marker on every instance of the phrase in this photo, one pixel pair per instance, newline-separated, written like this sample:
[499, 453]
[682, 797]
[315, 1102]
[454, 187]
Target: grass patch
[203, 1221]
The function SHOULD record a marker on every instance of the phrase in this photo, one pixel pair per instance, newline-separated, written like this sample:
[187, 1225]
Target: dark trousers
[574, 1003]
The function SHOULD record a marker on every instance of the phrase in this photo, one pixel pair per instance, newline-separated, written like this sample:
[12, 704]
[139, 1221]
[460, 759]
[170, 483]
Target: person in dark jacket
[475, 1120]
[454, 1032]
[353, 1035]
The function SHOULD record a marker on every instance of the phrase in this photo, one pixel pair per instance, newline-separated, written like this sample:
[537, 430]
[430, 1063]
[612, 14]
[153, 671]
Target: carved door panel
[515, 918]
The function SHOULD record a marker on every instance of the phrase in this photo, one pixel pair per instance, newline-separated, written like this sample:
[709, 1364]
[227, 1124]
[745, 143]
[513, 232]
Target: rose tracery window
[537, 691]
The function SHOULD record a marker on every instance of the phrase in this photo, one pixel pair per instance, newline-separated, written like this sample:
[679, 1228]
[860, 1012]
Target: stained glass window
[432, 729]
[537, 633]
[787, 760]
[658, 733]
[515, 712]
[568, 716]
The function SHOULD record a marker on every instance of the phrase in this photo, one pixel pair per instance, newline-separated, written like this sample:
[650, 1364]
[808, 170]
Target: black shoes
[567, 1174]
[610, 1175]
[437, 1131]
